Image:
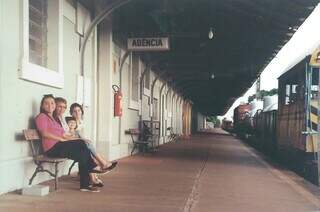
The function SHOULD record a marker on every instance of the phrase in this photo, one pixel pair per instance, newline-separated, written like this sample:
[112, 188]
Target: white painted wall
[105, 95]
[20, 99]
[117, 143]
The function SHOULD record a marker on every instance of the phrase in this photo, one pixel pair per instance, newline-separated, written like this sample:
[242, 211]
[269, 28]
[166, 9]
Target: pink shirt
[45, 123]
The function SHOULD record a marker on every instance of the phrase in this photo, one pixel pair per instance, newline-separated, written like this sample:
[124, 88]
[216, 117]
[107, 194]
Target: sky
[303, 42]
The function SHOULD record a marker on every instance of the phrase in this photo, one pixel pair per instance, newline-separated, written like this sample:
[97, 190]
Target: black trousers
[76, 150]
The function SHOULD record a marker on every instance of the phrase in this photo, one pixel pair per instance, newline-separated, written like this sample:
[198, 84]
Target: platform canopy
[212, 73]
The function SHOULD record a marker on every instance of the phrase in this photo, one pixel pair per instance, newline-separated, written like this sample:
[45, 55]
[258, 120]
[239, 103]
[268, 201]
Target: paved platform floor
[208, 172]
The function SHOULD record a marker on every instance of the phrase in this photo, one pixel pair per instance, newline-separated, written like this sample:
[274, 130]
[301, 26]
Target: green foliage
[251, 98]
[262, 94]
[218, 123]
[211, 118]
[214, 120]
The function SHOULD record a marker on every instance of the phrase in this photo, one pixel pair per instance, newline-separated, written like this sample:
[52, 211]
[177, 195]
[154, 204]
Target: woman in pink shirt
[58, 144]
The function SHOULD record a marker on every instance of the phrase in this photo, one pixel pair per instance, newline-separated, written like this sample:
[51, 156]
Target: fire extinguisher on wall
[117, 100]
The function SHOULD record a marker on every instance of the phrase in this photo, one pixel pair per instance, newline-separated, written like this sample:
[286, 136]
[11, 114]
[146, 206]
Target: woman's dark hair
[46, 96]
[74, 105]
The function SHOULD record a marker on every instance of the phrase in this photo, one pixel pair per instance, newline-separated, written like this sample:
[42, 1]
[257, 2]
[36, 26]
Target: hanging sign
[148, 44]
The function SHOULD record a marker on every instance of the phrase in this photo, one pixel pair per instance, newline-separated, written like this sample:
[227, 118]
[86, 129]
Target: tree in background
[214, 120]
[262, 94]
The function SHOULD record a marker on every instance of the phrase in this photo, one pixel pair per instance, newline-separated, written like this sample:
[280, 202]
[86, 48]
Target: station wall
[20, 96]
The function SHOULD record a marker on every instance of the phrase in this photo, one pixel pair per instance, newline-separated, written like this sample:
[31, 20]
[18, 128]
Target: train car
[227, 125]
[265, 130]
[298, 118]
[241, 124]
[240, 113]
[261, 126]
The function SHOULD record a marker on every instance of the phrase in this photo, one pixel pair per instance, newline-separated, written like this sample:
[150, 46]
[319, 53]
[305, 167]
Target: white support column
[105, 107]
[181, 113]
[177, 115]
[173, 112]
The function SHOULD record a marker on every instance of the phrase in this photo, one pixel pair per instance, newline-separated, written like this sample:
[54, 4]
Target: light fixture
[210, 35]
[302, 19]
[293, 28]
[212, 76]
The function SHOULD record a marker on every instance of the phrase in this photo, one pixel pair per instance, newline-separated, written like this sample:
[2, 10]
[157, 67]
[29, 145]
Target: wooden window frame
[147, 85]
[133, 104]
[41, 39]
[155, 109]
[36, 73]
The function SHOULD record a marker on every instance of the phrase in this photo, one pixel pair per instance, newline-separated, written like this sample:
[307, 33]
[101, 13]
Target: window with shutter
[38, 32]
[42, 42]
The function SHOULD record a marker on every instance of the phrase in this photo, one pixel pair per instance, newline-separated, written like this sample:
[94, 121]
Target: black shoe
[113, 165]
[90, 189]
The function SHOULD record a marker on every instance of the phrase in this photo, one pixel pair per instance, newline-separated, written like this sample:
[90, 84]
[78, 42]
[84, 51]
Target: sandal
[99, 171]
[112, 166]
[98, 184]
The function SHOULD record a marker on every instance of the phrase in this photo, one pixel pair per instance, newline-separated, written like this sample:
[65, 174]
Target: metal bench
[39, 158]
[137, 143]
[172, 137]
[151, 133]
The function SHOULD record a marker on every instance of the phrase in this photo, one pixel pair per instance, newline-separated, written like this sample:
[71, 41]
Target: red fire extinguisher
[117, 100]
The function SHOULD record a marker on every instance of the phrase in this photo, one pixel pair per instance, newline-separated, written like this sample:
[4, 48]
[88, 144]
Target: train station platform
[211, 171]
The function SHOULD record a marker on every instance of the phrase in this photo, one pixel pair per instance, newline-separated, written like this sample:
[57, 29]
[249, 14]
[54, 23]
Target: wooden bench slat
[44, 158]
[132, 132]
[136, 142]
[31, 134]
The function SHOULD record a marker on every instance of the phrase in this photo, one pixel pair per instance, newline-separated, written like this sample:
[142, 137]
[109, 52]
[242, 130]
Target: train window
[315, 84]
[287, 96]
[291, 88]
[294, 93]
[314, 88]
[294, 89]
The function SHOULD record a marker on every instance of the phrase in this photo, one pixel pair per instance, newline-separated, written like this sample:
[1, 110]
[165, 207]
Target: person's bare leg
[95, 160]
[93, 177]
[103, 163]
